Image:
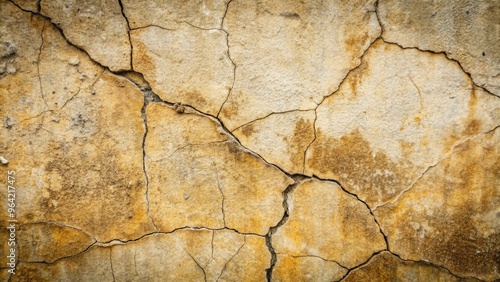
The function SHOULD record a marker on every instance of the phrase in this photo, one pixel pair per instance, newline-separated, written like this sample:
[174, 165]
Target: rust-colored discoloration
[451, 213]
[303, 134]
[47, 242]
[290, 268]
[351, 160]
[248, 130]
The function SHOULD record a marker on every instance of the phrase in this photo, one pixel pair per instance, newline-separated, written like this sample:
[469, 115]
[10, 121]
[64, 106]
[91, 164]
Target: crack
[433, 265]
[312, 141]
[58, 224]
[229, 57]
[268, 115]
[148, 97]
[221, 192]
[227, 262]
[111, 263]
[445, 156]
[314, 256]
[359, 199]
[38, 66]
[446, 55]
[195, 261]
[360, 265]
[128, 33]
[286, 197]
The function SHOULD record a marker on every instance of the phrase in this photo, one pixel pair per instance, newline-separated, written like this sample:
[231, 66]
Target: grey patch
[8, 122]
[7, 49]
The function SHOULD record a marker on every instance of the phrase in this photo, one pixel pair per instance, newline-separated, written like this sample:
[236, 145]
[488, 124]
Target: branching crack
[227, 262]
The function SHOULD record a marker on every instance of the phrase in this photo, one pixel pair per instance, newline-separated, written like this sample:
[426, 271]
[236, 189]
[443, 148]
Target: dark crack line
[367, 206]
[227, 262]
[309, 145]
[270, 114]
[38, 66]
[195, 261]
[314, 256]
[286, 214]
[128, 33]
[433, 265]
[360, 265]
[144, 156]
[446, 55]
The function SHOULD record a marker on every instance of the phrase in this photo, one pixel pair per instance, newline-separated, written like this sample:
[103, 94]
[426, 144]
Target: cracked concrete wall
[241, 140]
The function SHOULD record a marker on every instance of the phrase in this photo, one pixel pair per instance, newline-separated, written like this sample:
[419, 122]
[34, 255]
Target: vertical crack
[229, 57]
[128, 33]
[269, 243]
[312, 141]
[148, 97]
[111, 264]
[38, 65]
[222, 193]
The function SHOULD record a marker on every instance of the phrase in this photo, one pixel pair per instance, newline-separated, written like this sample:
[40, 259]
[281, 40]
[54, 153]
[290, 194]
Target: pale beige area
[280, 139]
[466, 30]
[98, 27]
[185, 64]
[290, 54]
[198, 13]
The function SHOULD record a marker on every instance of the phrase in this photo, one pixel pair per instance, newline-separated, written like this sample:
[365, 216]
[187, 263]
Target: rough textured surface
[328, 223]
[290, 54]
[185, 65]
[240, 140]
[208, 181]
[450, 217]
[282, 145]
[463, 29]
[98, 27]
[48, 242]
[198, 13]
[387, 267]
[391, 123]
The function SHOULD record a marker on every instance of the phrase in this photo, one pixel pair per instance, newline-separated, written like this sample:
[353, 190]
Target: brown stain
[94, 187]
[474, 125]
[248, 130]
[303, 134]
[194, 98]
[351, 160]
[466, 184]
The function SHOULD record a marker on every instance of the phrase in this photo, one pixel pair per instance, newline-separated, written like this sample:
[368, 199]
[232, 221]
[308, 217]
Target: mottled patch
[448, 217]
